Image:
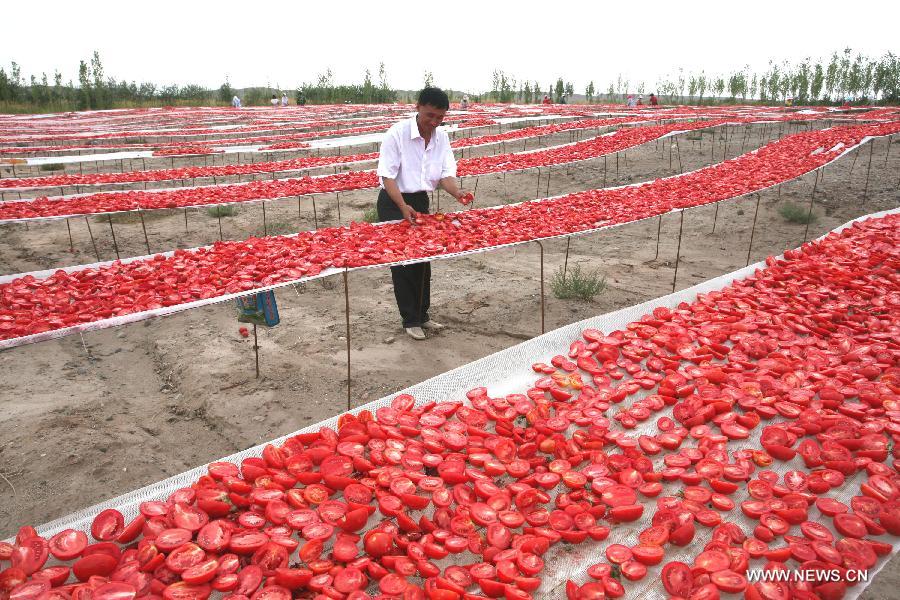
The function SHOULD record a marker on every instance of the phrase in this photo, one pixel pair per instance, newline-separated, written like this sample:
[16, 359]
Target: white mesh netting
[509, 371]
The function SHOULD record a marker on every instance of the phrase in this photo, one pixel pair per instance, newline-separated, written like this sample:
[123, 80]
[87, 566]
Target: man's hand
[408, 213]
[465, 198]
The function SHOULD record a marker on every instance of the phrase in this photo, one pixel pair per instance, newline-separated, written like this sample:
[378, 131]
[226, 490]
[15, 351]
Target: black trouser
[412, 283]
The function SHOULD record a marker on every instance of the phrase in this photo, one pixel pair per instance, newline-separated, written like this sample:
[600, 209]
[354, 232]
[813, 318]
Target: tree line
[846, 75]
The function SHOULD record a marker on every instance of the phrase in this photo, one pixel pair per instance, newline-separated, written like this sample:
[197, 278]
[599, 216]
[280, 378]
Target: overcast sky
[285, 43]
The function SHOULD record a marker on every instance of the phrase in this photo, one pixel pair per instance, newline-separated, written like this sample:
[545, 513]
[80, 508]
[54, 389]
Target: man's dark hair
[435, 97]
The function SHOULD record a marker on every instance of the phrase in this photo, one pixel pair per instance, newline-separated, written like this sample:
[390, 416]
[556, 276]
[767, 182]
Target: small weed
[328, 283]
[222, 210]
[794, 213]
[577, 283]
[280, 228]
[371, 215]
[52, 167]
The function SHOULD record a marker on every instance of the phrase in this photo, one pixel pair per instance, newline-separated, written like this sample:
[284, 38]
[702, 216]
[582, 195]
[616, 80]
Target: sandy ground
[86, 419]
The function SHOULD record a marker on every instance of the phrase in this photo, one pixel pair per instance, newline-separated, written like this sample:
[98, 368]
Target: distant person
[845, 105]
[464, 105]
[788, 101]
[274, 101]
[284, 100]
[653, 100]
[562, 100]
[236, 102]
[631, 101]
[546, 99]
[640, 101]
[415, 158]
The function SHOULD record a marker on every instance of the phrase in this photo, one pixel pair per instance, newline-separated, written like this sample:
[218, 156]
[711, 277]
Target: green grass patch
[371, 215]
[280, 228]
[577, 283]
[222, 210]
[52, 167]
[794, 213]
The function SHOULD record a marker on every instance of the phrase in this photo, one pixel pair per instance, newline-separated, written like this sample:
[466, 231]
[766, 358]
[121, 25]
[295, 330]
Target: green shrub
[577, 283]
[222, 210]
[52, 167]
[794, 213]
[371, 215]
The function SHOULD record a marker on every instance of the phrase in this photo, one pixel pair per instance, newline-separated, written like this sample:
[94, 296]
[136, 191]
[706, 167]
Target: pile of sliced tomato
[466, 500]
[29, 305]
[286, 165]
[185, 151]
[784, 159]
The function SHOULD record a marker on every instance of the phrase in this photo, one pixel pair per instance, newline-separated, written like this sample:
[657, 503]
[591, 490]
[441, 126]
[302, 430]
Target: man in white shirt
[416, 158]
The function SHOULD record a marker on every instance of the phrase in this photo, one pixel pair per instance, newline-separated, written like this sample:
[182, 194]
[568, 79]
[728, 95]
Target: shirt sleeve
[389, 157]
[448, 168]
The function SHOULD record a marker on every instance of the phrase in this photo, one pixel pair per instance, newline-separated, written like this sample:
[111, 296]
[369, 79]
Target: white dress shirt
[405, 159]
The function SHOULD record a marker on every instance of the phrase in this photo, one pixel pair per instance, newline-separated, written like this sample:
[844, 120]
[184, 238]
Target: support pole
[868, 169]
[71, 243]
[678, 251]
[537, 191]
[185, 221]
[93, 242]
[604, 170]
[566, 261]
[347, 323]
[144, 227]
[853, 164]
[265, 225]
[315, 213]
[541, 246]
[753, 229]
[337, 198]
[678, 150]
[113, 232]
[812, 198]
[715, 217]
[219, 217]
[658, 231]
[549, 172]
[256, 349]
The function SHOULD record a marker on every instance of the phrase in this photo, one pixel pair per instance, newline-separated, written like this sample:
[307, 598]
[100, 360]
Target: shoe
[415, 333]
[432, 325]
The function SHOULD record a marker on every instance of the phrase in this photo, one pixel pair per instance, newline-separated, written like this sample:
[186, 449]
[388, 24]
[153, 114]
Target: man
[415, 158]
[653, 100]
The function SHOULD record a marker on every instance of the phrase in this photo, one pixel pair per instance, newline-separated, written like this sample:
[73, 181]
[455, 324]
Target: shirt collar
[414, 129]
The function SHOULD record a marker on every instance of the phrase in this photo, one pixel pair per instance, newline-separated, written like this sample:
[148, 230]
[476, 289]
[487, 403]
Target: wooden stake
[256, 349]
[658, 230]
[753, 229]
[812, 198]
[113, 232]
[541, 246]
[144, 227]
[91, 233]
[347, 322]
[71, 243]
[868, 169]
[678, 251]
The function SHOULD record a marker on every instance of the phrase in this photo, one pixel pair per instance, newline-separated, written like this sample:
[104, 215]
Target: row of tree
[96, 91]
[846, 75]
